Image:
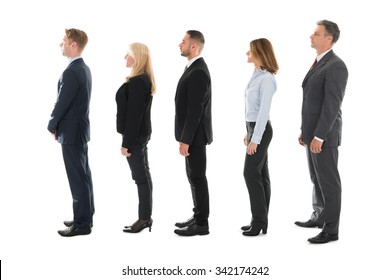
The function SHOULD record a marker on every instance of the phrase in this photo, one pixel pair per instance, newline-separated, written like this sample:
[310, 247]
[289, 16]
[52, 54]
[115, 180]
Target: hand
[55, 135]
[246, 140]
[316, 146]
[300, 140]
[251, 149]
[125, 152]
[183, 149]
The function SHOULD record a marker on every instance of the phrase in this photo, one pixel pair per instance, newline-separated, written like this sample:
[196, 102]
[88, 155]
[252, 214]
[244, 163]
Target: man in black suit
[323, 92]
[69, 124]
[193, 129]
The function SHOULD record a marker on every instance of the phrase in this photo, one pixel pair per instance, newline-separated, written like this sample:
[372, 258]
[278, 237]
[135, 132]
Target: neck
[320, 51]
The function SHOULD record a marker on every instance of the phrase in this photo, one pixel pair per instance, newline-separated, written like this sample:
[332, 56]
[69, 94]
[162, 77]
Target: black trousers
[196, 174]
[139, 166]
[257, 177]
[80, 181]
[326, 181]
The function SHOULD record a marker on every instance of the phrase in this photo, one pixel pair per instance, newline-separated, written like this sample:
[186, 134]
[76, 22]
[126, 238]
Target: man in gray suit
[323, 92]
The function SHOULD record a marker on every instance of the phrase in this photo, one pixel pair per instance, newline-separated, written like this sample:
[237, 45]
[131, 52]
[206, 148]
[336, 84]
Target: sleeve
[335, 84]
[198, 85]
[266, 91]
[67, 89]
[136, 92]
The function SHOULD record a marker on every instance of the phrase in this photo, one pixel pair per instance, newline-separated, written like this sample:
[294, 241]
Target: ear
[330, 38]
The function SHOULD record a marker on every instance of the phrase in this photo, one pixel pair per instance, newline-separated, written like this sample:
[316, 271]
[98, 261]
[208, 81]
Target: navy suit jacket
[70, 116]
[193, 105]
[323, 92]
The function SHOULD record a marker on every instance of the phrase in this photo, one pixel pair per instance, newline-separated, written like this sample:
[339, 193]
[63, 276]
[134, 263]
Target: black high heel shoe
[139, 225]
[253, 231]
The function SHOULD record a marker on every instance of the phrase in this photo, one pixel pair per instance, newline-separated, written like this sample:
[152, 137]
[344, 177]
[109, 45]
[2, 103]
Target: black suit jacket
[193, 105]
[134, 101]
[323, 92]
[70, 116]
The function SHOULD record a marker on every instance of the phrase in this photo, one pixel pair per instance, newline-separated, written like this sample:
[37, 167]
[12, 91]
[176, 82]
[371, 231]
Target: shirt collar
[73, 59]
[192, 60]
[322, 55]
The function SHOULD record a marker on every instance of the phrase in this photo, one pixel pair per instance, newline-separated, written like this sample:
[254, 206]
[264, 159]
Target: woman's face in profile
[129, 59]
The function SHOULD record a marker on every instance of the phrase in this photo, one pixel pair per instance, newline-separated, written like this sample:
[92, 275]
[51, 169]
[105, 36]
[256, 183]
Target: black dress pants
[196, 174]
[139, 166]
[80, 181]
[257, 178]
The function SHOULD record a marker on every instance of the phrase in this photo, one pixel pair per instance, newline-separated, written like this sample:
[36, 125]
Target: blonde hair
[142, 63]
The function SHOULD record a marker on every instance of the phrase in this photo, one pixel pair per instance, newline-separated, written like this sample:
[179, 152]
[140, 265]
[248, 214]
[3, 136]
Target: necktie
[314, 64]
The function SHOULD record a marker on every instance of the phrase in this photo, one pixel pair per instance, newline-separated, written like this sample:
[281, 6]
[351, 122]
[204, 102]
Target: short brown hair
[78, 36]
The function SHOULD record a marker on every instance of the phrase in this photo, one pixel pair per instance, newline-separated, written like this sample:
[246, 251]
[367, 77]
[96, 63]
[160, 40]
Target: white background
[35, 196]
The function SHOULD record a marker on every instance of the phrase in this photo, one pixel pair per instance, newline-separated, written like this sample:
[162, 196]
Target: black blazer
[193, 105]
[323, 92]
[70, 116]
[134, 101]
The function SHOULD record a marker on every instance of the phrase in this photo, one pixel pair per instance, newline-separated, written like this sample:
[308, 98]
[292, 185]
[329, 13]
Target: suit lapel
[320, 64]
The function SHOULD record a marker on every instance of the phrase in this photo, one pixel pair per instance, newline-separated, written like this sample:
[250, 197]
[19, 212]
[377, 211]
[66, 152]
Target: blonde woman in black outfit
[134, 102]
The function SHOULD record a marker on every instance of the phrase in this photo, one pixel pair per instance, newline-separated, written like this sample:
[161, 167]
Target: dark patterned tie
[314, 64]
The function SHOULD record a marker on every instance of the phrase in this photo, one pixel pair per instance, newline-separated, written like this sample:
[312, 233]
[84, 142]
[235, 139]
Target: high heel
[139, 225]
[253, 231]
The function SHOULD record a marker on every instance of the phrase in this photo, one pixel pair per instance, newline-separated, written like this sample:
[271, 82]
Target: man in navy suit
[69, 124]
[323, 92]
[193, 129]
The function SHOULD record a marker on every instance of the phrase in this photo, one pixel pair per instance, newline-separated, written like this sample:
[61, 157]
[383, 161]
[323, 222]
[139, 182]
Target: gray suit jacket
[323, 92]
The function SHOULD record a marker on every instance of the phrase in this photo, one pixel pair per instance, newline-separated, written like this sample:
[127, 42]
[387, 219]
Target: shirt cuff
[318, 139]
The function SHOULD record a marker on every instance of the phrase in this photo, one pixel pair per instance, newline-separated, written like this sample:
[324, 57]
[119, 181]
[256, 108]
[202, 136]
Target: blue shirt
[258, 97]
[73, 59]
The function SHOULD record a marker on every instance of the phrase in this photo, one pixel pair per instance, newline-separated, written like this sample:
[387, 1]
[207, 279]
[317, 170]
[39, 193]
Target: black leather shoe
[323, 237]
[68, 223]
[253, 231]
[71, 223]
[73, 231]
[309, 224]
[192, 230]
[139, 225]
[187, 223]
